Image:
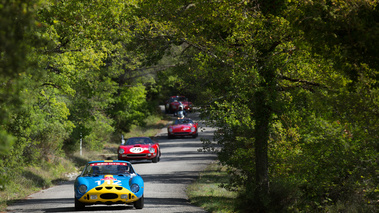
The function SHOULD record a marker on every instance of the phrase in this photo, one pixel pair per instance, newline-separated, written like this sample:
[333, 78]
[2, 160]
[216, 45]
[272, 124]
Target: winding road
[165, 181]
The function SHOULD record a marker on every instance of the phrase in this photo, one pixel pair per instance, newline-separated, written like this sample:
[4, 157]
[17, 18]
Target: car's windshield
[183, 121]
[176, 99]
[108, 168]
[133, 141]
[182, 99]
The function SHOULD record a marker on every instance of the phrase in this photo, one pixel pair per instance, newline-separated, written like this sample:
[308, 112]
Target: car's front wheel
[79, 205]
[139, 203]
[156, 158]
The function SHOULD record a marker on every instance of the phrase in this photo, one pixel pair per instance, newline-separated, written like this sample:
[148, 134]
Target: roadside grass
[206, 192]
[34, 178]
[26, 181]
[153, 125]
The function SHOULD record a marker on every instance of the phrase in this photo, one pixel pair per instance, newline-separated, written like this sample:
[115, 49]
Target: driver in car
[122, 170]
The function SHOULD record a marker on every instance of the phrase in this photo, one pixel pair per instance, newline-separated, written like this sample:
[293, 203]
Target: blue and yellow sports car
[109, 182]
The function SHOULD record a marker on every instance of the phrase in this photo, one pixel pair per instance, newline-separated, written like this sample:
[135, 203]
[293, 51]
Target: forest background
[292, 86]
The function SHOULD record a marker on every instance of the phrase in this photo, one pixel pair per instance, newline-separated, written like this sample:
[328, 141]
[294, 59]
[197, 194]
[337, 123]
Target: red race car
[183, 127]
[172, 104]
[139, 148]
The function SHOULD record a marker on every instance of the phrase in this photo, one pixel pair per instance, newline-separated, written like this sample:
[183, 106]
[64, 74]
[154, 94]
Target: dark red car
[182, 127]
[173, 103]
[139, 148]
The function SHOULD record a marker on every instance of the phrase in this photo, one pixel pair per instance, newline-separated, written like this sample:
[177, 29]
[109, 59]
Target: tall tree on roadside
[90, 65]
[224, 45]
[17, 24]
[269, 91]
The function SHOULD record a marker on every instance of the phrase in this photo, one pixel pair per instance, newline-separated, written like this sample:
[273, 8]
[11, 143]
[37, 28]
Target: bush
[283, 197]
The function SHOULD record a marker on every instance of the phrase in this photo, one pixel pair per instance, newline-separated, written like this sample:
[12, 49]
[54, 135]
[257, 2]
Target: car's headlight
[82, 189]
[193, 129]
[134, 188]
[170, 130]
[151, 150]
[121, 151]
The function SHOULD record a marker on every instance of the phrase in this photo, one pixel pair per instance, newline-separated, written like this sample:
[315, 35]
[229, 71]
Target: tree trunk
[263, 117]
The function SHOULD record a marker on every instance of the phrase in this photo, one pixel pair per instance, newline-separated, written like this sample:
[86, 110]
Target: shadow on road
[150, 203]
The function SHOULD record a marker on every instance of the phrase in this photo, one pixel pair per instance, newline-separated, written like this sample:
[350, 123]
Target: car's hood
[182, 126]
[183, 102]
[94, 181]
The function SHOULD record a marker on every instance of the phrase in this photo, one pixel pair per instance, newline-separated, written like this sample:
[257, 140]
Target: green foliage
[100, 132]
[291, 85]
[284, 197]
[130, 108]
[273, 74]
[65, 66]
[16, 40]
[336, 160]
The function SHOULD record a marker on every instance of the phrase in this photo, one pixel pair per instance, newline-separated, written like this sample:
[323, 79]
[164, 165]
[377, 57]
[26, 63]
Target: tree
[265, 78]
[16, 39]
[85, 62]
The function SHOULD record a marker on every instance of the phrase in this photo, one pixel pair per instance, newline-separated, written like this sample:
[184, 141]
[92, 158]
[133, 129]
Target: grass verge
[206, 192]
[28, 180]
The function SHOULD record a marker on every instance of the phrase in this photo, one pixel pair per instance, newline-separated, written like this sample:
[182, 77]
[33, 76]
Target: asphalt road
[165, 181]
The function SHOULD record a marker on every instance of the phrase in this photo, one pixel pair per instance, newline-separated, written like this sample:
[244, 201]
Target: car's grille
[112, 198]
[181, 133]
[109, 196]
[136, 155]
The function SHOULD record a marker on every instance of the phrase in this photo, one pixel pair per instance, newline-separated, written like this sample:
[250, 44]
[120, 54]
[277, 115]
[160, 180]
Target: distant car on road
[108, 182]
[139, 148]
[173, 103]
[182, 127]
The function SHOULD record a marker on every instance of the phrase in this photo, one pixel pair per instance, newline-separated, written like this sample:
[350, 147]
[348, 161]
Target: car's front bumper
[139, 156]
[111, 194]
[182, 133]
